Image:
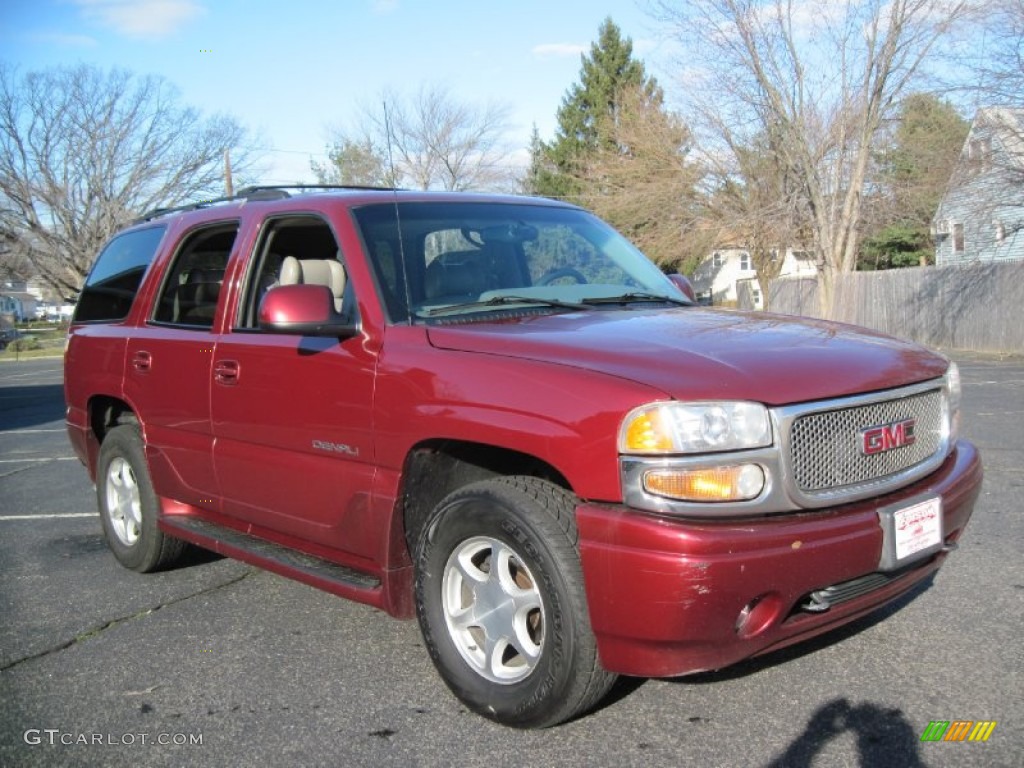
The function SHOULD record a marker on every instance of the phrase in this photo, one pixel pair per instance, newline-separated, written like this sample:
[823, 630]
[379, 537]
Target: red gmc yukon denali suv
[496, 415]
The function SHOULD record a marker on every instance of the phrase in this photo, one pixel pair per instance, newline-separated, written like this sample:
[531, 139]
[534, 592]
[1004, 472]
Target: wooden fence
[978, 307]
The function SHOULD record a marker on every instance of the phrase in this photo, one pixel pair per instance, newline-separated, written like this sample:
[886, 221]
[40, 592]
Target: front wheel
[128, 504]
[500, 601]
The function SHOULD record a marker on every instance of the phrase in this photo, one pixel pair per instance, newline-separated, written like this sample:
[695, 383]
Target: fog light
[734, 483]
[759, 615]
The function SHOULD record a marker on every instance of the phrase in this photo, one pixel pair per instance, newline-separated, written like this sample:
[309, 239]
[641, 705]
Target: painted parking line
[35, 376]
[53, 458]
[30, 431]
[54, 516]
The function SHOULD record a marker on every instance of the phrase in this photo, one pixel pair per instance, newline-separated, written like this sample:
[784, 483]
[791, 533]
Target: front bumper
[670, 597]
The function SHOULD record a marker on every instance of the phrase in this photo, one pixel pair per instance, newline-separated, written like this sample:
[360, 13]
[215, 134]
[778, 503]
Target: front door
[292, 415]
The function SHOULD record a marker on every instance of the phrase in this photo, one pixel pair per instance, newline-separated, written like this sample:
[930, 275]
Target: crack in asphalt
[96, 631]
[20, 469]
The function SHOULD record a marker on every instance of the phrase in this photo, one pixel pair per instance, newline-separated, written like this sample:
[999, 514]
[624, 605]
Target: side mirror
[684, 285]
[306, 310]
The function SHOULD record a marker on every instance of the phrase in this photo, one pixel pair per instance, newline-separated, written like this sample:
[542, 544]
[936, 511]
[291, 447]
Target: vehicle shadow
[29, 406]
[194, 556]
[71, 547]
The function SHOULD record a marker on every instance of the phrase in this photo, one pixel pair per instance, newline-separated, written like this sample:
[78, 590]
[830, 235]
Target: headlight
[666, 428]
[953, 401]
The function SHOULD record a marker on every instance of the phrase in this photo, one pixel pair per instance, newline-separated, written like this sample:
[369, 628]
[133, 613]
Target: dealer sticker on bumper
[910, 532]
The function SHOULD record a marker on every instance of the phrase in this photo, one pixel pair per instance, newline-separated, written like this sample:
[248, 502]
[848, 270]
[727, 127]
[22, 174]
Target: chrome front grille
[826, 446]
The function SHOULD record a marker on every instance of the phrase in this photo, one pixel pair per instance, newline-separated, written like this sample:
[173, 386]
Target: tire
[128, 504]
[514, 644]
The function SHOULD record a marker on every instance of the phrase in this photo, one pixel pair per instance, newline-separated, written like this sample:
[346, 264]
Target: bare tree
[999, 62]
[14, 265]
[428, 141]
[83, 151]
[641, 180]
[820, 78]
[755, 201]
[1002, 78]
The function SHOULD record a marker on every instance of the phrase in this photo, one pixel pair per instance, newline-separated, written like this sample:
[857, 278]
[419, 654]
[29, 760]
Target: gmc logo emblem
[886, 436]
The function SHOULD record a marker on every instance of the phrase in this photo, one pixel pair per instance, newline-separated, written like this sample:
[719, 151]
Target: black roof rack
[252, 194]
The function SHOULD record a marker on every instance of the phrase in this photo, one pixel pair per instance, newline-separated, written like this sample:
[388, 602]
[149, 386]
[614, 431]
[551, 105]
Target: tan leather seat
[326, 272]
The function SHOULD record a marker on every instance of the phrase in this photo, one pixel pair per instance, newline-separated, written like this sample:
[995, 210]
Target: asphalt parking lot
[220, 664]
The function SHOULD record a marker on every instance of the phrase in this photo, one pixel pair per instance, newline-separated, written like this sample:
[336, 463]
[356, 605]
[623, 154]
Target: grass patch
[46, 341]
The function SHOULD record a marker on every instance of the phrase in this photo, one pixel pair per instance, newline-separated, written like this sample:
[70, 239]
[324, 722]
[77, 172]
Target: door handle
[226, 371]
[142, 361]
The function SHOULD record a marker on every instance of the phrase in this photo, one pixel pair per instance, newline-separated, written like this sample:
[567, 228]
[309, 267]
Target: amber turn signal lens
[646, 433]
[736, 483]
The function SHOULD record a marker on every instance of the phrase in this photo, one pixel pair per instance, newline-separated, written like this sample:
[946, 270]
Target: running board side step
[309, 569]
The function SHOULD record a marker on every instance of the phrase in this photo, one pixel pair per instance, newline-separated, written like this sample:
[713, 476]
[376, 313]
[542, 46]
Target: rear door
[169, 367]
[292, 415]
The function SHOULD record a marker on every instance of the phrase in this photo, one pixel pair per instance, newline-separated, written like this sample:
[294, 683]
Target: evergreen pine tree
[605, 74]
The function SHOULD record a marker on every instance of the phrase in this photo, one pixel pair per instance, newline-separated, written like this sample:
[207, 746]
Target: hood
[696, 354]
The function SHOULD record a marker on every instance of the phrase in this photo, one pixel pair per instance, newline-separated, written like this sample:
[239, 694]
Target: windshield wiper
[637, 296]
[497, 301]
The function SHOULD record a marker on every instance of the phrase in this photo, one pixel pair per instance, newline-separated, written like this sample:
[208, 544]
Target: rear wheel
[128, 504]
[500, 601]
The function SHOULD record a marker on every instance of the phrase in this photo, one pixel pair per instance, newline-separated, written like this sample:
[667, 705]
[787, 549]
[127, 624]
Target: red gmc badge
[886, 437]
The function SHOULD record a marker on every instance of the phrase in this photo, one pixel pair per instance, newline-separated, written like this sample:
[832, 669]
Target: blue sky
[291, 69]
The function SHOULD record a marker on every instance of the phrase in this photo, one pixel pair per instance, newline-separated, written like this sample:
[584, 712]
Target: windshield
[472, 257]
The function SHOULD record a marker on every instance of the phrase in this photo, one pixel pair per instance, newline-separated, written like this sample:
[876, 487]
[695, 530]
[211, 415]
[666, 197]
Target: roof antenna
[398, 218]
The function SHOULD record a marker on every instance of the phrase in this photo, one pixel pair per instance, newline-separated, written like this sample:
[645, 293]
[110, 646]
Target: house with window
[728, 273]
[17, 304]
[981, 215]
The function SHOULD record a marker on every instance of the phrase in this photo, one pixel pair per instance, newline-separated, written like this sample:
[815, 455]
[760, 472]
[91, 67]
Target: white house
[718, 278]
[981, 215]
[16, 303]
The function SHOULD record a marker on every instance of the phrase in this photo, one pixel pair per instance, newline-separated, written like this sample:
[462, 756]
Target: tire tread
[557, 525]
[157, 551]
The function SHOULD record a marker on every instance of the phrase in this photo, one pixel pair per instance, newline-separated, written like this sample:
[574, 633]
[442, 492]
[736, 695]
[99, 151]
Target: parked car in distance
[7, 336]
[494, 414]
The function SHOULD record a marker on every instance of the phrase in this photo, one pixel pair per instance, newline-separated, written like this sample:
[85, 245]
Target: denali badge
[885, 437]
[327, 445]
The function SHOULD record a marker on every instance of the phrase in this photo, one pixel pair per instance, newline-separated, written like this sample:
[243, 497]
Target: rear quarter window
[114, 280]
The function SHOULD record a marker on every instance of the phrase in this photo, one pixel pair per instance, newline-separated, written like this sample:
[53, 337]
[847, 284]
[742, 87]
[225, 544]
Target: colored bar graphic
[958, 730]
[982, 730]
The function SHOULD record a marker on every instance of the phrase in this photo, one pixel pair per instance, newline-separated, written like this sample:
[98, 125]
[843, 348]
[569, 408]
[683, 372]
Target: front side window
[116, 275]
[745, 261]
[433, 260]
[192, 288]
[295, 249]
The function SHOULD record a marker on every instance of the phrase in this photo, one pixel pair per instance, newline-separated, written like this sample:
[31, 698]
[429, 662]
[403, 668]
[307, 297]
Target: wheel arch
[88, 429]
[107, 412]
[435, 468]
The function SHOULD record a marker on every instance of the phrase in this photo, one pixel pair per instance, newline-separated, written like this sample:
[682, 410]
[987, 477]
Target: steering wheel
[556, 274]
